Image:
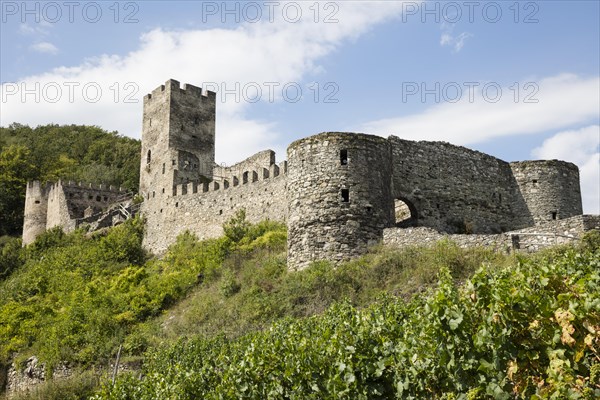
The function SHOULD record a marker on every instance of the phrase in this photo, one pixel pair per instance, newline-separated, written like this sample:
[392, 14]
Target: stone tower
[550, 189]
[339, 196]
[178, 138]
[36, 210]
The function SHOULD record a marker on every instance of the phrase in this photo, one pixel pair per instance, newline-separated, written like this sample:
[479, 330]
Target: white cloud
[39, 29]
[581, 147]
[44, 47]
[563, 101]
[261, 52]
[455, 42]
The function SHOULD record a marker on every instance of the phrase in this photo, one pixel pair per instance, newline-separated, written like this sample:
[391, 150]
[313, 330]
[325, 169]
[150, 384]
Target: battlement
[173, 86]
[249, 177]
[66, 185]
[95, 187]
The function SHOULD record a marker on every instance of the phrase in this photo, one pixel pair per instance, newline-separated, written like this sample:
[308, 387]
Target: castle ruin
[337, 192]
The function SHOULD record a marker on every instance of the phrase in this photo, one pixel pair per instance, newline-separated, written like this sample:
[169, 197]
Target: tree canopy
[51, 152]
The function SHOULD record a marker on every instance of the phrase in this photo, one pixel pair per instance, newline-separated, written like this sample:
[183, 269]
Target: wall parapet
[527, 239]
[173, 85]
[249, 177]
[92, 186]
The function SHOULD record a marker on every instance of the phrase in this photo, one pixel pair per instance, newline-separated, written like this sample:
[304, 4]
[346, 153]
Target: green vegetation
[223, 318]
[52, 152]
[530, 330]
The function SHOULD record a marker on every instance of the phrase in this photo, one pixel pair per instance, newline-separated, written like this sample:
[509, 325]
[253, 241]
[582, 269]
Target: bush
[237, 227]
[591, 240]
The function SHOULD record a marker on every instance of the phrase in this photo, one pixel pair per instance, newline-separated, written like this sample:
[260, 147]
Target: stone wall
[68, 202]
[203, 208]
[452, 188]
[250, 169]
[64, 204]
[36, 211]
[550, 233]
[529, 239]
[550, 189]
[192, 130]
[15, 381]
[32, 374]
[339, 196]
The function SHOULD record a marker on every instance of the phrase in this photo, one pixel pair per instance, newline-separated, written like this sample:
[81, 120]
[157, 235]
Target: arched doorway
[405, 213]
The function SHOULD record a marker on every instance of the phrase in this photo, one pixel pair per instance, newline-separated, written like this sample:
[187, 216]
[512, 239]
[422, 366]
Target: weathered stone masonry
[67, 204]
[338, 192]
[339, 196]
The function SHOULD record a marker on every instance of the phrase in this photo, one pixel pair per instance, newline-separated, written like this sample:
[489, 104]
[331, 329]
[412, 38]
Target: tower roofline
[173, 85]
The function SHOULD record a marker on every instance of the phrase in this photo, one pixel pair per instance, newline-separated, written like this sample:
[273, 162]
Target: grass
[254, 288]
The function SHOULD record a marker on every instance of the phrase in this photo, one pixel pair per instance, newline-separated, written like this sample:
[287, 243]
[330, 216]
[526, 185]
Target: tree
[16, 169]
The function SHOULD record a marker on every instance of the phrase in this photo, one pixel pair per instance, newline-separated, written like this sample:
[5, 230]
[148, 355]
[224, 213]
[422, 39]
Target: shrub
[237, 227]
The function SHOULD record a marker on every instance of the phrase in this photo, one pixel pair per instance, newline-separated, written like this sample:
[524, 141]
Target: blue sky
[518, 80]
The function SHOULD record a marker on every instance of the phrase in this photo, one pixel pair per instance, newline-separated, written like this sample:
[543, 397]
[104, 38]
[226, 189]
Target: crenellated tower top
[178, 138]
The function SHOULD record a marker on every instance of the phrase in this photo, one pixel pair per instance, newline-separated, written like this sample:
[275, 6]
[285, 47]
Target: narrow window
[344, 157]
[173, 161]
[164, 168]
[220, 212]
[345, 195]
[534, 182]
[163, 190]
[148, 157]
[177, 204]
[98, 198]
[554, 214]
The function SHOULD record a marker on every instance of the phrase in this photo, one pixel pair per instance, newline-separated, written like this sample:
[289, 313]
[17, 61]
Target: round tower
[550, 189]
[36, 208]
[339, 196]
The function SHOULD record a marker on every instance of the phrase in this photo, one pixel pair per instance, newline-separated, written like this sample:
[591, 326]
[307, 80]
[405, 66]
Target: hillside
[52, 152]
[224, 318]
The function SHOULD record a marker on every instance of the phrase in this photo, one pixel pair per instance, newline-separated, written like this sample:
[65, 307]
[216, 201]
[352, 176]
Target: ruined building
[337, 192]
